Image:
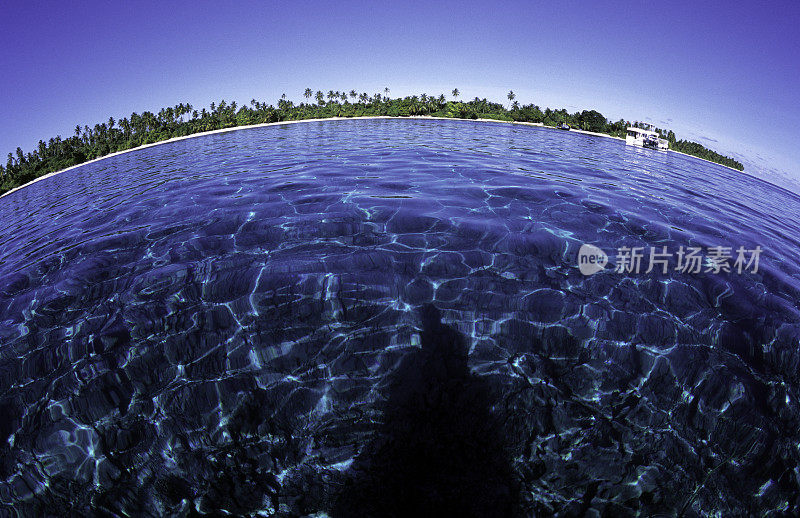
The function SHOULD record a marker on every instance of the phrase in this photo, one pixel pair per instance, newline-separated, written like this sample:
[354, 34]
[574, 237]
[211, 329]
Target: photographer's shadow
[440, 449]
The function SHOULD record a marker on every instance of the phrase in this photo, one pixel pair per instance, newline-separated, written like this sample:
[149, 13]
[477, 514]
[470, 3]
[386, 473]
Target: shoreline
[373, 117]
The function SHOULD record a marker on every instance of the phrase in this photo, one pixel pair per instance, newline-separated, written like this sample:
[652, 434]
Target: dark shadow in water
[440, 451]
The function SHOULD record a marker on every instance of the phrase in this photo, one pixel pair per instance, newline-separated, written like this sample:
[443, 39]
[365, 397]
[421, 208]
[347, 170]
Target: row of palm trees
[171, 116]
[335, 96]
[363, 97]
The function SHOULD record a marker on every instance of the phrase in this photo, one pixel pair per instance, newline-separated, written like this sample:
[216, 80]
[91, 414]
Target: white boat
[645, 138]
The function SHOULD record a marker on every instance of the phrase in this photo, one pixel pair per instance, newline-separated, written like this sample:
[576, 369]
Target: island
[89, 143]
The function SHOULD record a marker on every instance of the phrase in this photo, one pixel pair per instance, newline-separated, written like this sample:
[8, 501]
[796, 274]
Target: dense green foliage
[695, 149]
[111, 136]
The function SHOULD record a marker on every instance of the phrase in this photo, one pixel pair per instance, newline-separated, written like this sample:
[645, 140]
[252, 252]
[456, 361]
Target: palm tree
[414, 108]
[320, 97]
[456, 93]
[353, 94]
[136, 122]
[54, 145]
[308, 93]
[511, 95]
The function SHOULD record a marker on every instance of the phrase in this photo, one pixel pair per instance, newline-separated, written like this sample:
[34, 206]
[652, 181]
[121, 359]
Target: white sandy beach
[237, 128]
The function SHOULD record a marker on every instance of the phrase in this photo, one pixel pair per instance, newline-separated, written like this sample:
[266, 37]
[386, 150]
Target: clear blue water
[350, 317]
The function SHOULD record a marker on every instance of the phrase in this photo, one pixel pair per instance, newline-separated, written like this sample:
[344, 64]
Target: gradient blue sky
[723, 73]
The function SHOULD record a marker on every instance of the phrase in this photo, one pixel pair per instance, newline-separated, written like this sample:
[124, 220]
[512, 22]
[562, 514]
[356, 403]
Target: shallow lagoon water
[357, 317]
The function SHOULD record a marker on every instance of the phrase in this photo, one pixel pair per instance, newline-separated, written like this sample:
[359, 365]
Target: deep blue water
[377, 317]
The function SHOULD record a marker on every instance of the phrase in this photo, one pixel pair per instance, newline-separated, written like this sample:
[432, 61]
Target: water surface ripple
[359, 317]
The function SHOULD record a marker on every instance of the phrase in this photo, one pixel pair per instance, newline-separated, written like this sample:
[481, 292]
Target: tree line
[111, 136]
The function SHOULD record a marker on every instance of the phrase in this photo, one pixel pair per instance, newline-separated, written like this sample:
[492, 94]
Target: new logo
[591, 259]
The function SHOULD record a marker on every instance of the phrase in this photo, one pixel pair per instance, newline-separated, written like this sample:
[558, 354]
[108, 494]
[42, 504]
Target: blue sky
[723, 73]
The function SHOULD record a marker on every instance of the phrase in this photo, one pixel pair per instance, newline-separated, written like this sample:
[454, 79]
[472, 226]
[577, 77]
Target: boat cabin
[645, 138]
